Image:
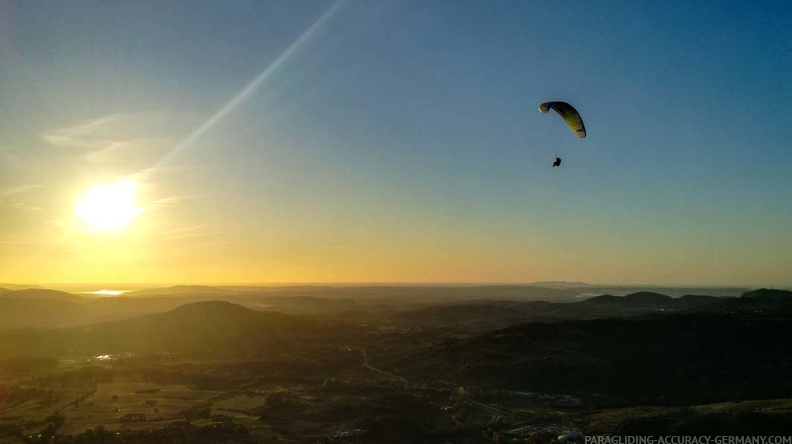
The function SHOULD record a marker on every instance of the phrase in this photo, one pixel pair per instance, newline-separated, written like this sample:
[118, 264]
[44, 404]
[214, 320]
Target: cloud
[21, 206]
[17, 189]
[89, 135]
[127, 151]
[170, 201]
[22, 243]
[137, 139]
[19, 217]
[147, 173]
[192, 232]
[10, 162]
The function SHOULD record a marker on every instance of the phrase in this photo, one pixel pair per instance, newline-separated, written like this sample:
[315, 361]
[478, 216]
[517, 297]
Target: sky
[397, 141]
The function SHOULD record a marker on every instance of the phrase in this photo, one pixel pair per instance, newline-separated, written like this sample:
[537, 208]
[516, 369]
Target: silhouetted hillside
[604, 299]
[481, 312]
[33, 309]
[648, 298]
[40, 293]
[660, 358]
[42, 308]
[603, 306]
[203, 326]
[41, 313]
[642, 299]
[765, 293]
[12, 287]
[697, 298]
[520, 311]
[675, 292]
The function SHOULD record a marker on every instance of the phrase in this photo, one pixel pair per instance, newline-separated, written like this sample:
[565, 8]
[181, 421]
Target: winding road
[405, 381]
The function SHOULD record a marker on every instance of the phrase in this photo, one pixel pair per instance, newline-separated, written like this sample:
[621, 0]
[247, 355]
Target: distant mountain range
[766, 301]
[45, 308]
[16, 287]
[27, 308]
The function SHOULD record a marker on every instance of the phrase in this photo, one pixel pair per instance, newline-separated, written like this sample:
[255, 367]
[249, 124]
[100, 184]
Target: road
[405, 381]
[382, 372]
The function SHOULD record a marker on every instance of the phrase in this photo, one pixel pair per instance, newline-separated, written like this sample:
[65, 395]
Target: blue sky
[399, 141]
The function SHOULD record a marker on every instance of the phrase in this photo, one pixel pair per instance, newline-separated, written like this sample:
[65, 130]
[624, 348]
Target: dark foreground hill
[659, 358]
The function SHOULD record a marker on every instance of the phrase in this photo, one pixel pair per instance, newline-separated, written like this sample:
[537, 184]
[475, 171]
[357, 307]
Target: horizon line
[390, 283]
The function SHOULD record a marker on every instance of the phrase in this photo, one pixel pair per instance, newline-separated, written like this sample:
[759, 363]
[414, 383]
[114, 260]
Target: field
[161, 405]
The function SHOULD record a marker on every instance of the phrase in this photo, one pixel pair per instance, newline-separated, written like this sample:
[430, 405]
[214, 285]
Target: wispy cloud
[11, 207]
[126, 150]
[139, 139]
[21, 243]
[18, 189]
[147, 174]
[88, 135]
[176, 200]
[21, 206]
[193, 232]
[19, 216]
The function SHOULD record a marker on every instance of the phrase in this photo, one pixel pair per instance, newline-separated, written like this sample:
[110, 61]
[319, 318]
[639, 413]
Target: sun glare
[109, 207]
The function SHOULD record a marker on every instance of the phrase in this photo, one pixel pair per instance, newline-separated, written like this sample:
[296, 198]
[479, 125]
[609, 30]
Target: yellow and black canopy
[570, 115]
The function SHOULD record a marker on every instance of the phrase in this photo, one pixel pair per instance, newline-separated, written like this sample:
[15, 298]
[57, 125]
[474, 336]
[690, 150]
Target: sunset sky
[396, 141]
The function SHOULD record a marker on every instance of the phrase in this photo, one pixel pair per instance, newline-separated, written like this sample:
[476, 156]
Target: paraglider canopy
[570, 115]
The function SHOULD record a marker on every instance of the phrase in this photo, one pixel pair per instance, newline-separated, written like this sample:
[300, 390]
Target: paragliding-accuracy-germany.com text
[718, 439]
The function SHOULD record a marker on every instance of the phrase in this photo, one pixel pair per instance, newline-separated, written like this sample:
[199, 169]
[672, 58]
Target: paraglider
[569, 114]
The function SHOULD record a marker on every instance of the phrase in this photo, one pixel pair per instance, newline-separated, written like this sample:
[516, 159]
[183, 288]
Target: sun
[108, 208]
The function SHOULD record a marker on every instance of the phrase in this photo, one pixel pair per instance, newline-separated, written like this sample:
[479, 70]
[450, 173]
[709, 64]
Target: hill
[604, 306]
[47, 309]
[41, 308]
[632, 300]
[40, 293]
[765, 293]
[522, 311]
[203, 326]
[683, 358]
[673, 291]
[18, 286]
[16, 313]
